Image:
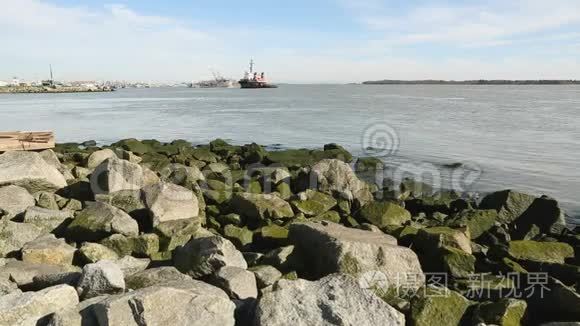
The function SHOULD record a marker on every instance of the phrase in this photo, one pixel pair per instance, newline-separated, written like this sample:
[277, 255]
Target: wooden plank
[26, 141]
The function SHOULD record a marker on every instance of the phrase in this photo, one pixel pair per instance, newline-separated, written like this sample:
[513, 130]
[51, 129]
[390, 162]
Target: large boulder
[29, 308]
[99, 220]
[191, 302]
[333, 300]
[48, 250]
[384, 214]
[509, 204]
[335, 176]
[15, 200]
[328, 248]
[103, 277]
[169, 202]
[542, 252]
[440, 236]
[24, 273]
[98, 157]
[30, 171]
[260, 206]
[14, 235]
[204, 256]
[114, 175]
[47, 219]
[478, 221]
[79, 315]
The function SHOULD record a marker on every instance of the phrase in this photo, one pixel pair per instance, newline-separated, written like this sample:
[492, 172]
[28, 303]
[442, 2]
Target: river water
[519, 137]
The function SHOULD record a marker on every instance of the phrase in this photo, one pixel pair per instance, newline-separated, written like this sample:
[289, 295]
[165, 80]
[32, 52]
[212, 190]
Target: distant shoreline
[45, 89]
[472, 82]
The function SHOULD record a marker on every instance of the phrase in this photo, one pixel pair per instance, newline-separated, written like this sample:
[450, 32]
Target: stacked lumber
[26, 141]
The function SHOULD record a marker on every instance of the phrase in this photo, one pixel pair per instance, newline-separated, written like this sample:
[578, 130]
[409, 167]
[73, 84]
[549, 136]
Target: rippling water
[522, 137]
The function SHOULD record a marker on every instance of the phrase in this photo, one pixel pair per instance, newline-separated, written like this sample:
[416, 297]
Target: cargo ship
[253, 80]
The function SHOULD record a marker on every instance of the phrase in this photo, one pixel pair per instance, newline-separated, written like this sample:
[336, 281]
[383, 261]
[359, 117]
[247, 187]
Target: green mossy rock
[314, 203]
[231, 218]
[274, 233]
[506, 312]
[217, 197]
[284, 190]
[155, 161]
[485, 287]
[369, 164]
[542, 252]
[176, 233]
[120, 244]
[478, 221]
[133, 145]
[259, 207]
[445, 236]
[331, 216]
[254, 187]
[145, 245]
[509, 204]
[240, 237]
[457, 262]
[435, 308]
[383, 214]
[204, 154]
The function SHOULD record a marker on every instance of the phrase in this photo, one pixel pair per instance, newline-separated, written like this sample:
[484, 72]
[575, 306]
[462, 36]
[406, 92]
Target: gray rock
[114, 175]
[80, 315]
[237, 282]
[48, 250]
[333, 300]
[48, 200]
[103, 277]
[328, 248]
[30, 307]
[93, 252]
[509, 204]
[23, 273]
[99, 220]
[48, 220]
[266, 275]
[179, 174]
[47, 280]
[204, 256]
[98, 157]
[30, 171]
[14, 235]
[127, 155]
[191, 303]
[170, 202]
[261, 206]
[131, 265]
[15, 200]
[154, 276]
[50, 157]
[7, 286]
[335, 176]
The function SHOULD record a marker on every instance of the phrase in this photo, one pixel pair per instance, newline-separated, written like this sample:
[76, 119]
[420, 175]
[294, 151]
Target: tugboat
[252, 80]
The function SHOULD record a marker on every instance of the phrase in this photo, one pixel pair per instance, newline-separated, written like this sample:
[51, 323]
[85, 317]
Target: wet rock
[313, 203]
[14, 235]
[114, 175]
[333, 175]
[258, 207]
[169, 202]
[333, 300]
[328, 248]
[438, 306]
[237, 282]
[384, 214]
[30, 307]
[103, 277]
[14, 200]
[204, 256]
[178, 303]
[30, 171]
[48, 250]
[99, 220]
[49, 220]
[544, 252]
[154, 276]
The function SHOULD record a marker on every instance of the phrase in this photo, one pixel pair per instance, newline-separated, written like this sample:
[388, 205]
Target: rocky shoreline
[151, 233]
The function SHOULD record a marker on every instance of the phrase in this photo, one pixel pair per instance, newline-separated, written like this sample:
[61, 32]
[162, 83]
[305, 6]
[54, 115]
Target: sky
[299, 41]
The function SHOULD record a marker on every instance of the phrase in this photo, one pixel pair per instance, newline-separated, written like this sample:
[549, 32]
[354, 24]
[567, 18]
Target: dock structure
[26, 140]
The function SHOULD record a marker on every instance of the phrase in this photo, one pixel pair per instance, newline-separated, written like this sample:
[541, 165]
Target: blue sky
[293, 41]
